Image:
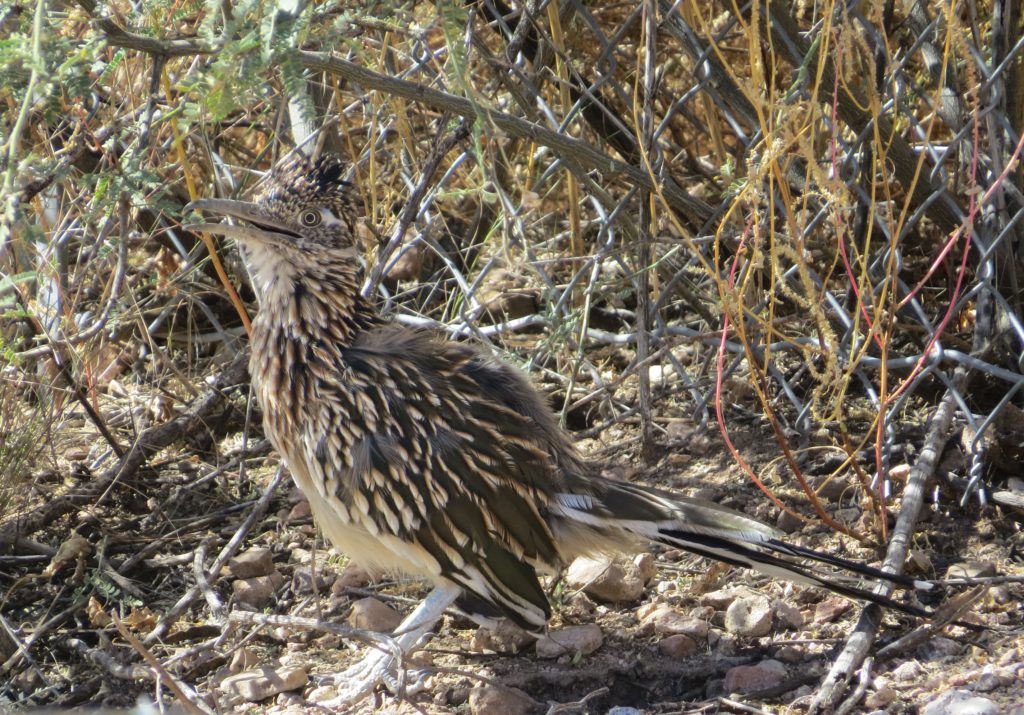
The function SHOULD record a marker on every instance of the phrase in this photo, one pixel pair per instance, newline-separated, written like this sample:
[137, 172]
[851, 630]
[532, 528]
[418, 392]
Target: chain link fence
[808, 214]
[805, 213]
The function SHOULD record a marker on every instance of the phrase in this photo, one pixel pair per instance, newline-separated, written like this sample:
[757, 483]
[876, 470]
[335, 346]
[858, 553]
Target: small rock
[666, 621]
[574, 639]
[702, 613]
[905, 672]
[677, 646]
[290, 700]
[373, 615]
[648, 609]
[243, 659]
[299, 512]
[988, 681]
[77, 454]
[352, 576]
[960, 702]
[789, 654]
[788, 616]
[321, 693]
[723, 597]
[940, 647]
[578, 608]
[971, 569]
[306, 580]
[658, 373]
[257, 561]
[880, 698]
[750, 616]
[724, 645]
[262, 683]
[499, 700]
[899, 472]
[257, 592]
[1009, 657]
[830, 609]
[610, 580]
[645, 565]
[459, 695]
[959, 680]
[789, 523]
[749, 678]
[829, 487]
[1008, 675]
[505, 637]
[298, 555]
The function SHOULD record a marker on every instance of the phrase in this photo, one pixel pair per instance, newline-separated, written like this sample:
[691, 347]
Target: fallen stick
[863, 636]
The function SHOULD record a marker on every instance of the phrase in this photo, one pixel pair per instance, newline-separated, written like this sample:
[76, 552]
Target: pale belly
[353, 534]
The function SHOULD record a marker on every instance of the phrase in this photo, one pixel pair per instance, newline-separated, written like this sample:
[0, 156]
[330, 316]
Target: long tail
[718, 533]
[738, 553]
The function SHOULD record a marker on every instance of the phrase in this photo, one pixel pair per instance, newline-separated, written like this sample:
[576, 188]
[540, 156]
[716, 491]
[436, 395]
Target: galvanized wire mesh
[805, 216]
[828, 233]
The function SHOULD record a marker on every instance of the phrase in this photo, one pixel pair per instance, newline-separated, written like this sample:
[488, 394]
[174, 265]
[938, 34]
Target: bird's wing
[439, 468]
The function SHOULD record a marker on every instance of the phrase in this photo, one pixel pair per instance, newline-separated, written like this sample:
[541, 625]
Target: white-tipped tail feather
[721, 534]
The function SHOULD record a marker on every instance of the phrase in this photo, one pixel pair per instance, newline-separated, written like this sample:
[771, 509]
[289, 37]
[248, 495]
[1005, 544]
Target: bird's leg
[380, 666]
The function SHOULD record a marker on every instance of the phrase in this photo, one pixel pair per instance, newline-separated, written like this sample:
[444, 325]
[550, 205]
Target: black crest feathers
[301, 180]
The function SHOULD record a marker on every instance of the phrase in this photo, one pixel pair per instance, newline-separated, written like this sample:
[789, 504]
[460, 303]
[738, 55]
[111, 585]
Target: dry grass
[669, 220]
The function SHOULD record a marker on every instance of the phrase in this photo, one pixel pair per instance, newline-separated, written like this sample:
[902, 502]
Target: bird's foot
[385, 663]
[377, 668]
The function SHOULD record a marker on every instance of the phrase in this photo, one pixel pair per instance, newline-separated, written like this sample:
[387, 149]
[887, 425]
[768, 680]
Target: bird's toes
[404, 681]
[377, 668]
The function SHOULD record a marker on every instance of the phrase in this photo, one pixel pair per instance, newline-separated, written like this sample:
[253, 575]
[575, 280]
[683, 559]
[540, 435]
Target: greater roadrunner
[428, 457]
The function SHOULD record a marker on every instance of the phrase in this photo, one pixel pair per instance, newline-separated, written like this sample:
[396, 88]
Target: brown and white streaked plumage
[428, 457]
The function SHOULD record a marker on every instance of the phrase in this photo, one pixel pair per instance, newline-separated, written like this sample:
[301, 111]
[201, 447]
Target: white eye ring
[310, 218]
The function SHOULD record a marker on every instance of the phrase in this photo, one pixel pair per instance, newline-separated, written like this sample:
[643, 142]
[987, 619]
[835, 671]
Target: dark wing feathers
[512, 479]
[482, 455]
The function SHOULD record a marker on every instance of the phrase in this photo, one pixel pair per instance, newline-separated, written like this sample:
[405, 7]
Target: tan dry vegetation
[727, 242]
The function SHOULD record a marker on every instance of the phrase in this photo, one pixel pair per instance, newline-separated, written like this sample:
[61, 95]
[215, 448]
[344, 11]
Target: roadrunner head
[303, 217]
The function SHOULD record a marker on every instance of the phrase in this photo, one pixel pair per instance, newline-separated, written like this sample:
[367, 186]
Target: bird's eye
[310, 218]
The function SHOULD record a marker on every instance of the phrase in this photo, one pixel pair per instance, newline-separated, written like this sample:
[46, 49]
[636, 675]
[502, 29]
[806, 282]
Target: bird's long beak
[258, 226]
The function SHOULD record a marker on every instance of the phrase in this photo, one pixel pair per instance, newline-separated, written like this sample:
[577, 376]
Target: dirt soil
[131, 554]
